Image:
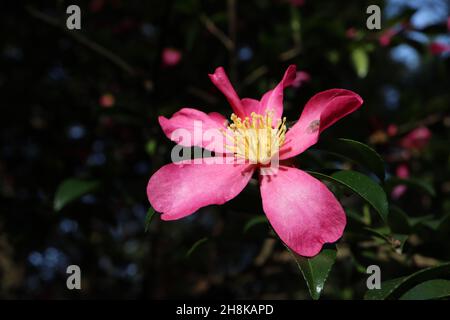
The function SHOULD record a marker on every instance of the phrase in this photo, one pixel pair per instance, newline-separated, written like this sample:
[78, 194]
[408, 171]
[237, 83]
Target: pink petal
[273, 99]
[178, 190]
[302, 211]
[221, 81]
[191, 127]
[301, 77]
[251, 105]
[320, 112]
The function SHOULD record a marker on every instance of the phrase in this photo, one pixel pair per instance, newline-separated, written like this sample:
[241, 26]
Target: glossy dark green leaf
[149, 218]
[254, 221]
[400, 222]
[432, 289]
[395, 288]
[420, 185]
[195, 246]
[359, 153]
[315, 270]
[363, 186]
[70, 190]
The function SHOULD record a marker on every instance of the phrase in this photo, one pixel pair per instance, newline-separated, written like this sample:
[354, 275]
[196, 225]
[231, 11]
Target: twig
[428, 121]
[232, 33]
[82, 39]
[290, 54]
[205, 96]
[255, 75]
[284, 56]
[215, 31]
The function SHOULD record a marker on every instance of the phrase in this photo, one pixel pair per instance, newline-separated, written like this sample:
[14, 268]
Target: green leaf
[363, 186]
[72, 189]
[438, 224]
[400, 222]
[315, 270]
[418, 184]
[195, 246]
[432, 289]
[254, 221]
[394, 288]
[149, 218]
[359, 153]
[360, 61]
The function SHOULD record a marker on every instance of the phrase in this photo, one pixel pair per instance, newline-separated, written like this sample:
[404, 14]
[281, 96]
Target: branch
[82, 39]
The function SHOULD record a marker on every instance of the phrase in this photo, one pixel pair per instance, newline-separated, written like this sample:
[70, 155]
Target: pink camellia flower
[417, 139]
[170, 57]
[300, 208]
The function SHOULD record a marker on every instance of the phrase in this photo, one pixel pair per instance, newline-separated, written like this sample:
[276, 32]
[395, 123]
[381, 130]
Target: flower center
[256, 138]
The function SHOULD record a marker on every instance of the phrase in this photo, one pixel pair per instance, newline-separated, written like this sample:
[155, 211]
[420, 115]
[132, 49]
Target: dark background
[84, 104]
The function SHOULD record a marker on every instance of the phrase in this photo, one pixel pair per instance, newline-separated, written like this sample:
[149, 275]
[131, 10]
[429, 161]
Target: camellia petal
[321, 111]
[221, 81]
[190, 127]
[250, 105]
[273, 99]
[178, 190]
[302, 211]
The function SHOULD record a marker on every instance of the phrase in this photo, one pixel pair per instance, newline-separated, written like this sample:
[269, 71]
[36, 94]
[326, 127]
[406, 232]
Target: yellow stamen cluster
[257, 138]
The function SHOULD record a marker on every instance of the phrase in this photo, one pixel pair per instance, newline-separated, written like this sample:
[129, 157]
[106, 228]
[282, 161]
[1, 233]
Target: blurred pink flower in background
[417, 139]
[96, 5]
[126, 25]
[392, 130]
[297, 3]
[351, 33]
[107, 100]
[171, 57]
[436, 48]
[401, 172]
[301, 77]
[386, 37]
